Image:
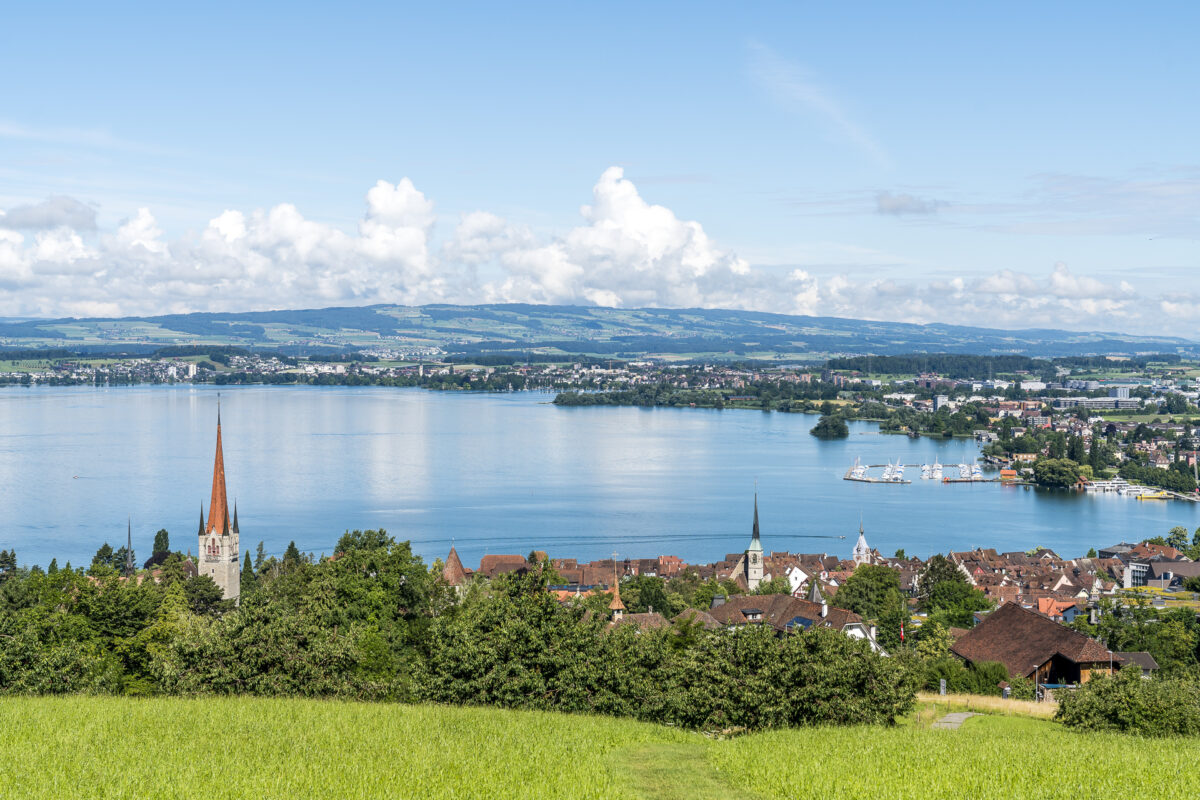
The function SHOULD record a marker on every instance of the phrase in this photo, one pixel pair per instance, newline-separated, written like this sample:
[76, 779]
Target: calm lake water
[499, 474]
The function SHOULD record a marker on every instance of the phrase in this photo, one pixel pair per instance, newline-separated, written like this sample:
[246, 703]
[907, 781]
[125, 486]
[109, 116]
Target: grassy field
[252, 748]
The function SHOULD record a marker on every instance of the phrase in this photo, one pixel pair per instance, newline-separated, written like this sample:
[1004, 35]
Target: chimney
[824, 608]
[872, 633]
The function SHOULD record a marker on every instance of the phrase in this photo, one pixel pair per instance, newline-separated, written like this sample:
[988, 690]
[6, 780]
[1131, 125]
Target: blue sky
[1030, 164]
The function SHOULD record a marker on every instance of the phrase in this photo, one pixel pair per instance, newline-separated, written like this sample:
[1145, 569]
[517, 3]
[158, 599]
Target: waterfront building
[219, 545]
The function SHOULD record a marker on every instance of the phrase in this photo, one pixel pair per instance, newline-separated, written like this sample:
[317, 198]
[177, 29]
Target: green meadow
[91, 747]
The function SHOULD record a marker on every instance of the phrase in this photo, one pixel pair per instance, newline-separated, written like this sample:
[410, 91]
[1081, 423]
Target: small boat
[937, 471]
[1154, 496]
[926, 472]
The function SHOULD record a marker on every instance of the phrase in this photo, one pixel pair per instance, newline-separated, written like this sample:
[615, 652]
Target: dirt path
[952, 721]
[672, 772]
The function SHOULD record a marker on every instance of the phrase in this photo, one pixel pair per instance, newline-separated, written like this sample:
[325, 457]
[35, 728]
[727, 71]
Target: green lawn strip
[672, 772]
[988, 758]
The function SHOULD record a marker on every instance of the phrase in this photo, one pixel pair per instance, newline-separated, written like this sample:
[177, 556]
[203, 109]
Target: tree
[1177, 537]
[900, 554]
[8, 564]
[934, 641]
[955, 603]
[104, 556]
[1091, 553]
[203, 595]
[53, 568]
[871, 591]
[162, 541]
[938, 569]
[830, 427]
[291, 556]
[260, 556]
[1056, 472]
[778, 584]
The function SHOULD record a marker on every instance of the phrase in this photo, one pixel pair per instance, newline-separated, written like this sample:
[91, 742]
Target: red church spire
[218, 506]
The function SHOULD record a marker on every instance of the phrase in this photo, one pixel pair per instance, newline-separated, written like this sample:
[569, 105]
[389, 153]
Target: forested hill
[603, 332]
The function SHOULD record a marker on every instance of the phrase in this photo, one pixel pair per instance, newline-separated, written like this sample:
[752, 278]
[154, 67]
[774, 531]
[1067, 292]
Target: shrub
[1130, 704]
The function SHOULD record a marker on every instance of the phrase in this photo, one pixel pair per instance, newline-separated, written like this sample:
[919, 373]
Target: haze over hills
[479, 329]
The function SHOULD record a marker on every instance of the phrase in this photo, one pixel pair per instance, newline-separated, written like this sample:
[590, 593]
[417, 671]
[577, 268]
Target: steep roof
[648, 621]
[1023, 640]
[218, 505]
[453, 573]
[1143, 659]
[691, 615]
[498, 564]
[778, 610]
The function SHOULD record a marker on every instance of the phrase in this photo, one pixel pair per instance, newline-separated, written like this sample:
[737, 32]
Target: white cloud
[53, 212]
[900, 204]
[625, 252]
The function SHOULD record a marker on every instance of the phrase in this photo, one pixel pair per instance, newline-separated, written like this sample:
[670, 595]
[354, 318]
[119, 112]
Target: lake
[502, 473]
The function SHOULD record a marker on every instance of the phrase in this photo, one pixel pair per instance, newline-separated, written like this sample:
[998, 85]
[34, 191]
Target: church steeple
[218, 506]
[616, 606]
[753, 559]
[220, 541]
[128, 548]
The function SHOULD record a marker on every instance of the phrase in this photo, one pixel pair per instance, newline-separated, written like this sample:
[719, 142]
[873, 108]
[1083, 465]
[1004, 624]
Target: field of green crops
[296, 749]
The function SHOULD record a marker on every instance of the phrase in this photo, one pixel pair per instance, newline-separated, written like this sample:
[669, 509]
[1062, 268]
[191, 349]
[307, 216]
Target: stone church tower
[754, 554]
[219, 538]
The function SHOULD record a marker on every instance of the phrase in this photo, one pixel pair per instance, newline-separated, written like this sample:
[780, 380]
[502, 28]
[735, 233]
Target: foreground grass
[254, 748]
[299, 749]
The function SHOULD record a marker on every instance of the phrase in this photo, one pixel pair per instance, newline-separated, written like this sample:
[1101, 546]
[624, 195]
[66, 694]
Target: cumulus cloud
[54, 212]
[625, 251]
[900, 204]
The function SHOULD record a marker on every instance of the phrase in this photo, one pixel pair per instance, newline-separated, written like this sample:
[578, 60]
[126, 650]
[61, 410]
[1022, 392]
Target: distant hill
[482, 329]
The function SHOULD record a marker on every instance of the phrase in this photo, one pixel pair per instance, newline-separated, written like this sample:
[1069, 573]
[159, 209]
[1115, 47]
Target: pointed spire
[218, 506]
[755, 544]
[128, 546]
[201, 533]
[814, 593]
[755, 532]
[235, 523]
[616, 606]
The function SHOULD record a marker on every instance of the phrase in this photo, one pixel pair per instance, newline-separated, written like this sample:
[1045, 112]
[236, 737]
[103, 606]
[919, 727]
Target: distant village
[1031, 597]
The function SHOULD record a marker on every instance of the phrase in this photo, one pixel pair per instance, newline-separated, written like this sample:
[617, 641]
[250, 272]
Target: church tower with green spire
[754, 554]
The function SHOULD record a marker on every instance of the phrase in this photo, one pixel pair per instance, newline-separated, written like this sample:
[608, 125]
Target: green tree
[162, 541]
[938, 569]
[934, 641]
[900, 554]
[830, 427]
[1177, 537]
[777, 585]
[1056, 472]
[291, 556]
[1091, 553]
[104, 556]
[53, 568]
[871, 591]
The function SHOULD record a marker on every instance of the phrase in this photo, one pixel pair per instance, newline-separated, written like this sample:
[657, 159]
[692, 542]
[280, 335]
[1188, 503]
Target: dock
[849, 476]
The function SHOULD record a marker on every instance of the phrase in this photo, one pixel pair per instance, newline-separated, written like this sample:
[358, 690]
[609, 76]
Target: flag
[902, 630]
